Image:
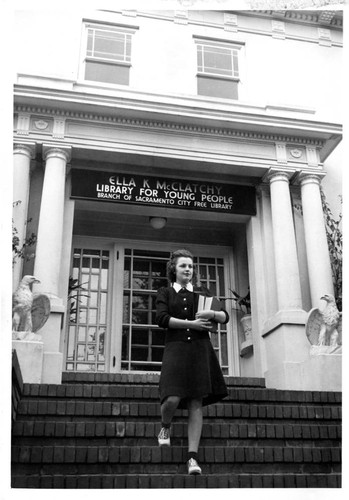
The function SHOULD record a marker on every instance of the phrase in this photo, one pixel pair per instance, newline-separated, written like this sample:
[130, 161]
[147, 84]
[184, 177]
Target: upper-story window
[217, 68]
[107, 57]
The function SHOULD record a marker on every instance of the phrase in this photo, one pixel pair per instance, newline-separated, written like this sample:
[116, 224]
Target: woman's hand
[200, 324]
[206, 314]
[217, 316]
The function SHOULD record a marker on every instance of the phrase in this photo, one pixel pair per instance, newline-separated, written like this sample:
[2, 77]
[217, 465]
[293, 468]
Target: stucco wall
[296, 71]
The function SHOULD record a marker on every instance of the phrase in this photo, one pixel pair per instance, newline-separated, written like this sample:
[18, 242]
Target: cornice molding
[169, 126]
[263, 121]
[331, 18]
[305, 14]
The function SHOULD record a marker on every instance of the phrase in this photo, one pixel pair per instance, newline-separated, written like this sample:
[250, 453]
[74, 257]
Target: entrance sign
[163, 192]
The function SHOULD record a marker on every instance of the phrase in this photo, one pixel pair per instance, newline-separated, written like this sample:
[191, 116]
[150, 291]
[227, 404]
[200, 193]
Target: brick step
[145, 378]
[215, 458]
[148, 392]
[173, 469]
[87, 408]
[127, 430]
[130, 481]
[146, 442]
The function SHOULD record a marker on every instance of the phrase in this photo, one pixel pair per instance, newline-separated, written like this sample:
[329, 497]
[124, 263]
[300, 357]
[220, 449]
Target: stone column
[23, 153]
[323, 372]
[50, 230]
[318, 258]
[286, 344]
[286, 261]
[48, 256]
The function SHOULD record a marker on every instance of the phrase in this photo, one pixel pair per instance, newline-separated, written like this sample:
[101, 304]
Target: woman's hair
[171, 264]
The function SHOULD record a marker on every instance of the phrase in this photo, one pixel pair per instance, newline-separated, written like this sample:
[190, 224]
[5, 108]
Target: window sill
[218, 77]
[106, 61]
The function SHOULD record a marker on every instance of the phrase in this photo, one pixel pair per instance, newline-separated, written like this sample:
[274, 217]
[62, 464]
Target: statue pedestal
[51, 334]
[30, 354]
[322, 372]
[317, 350]
[286, 348]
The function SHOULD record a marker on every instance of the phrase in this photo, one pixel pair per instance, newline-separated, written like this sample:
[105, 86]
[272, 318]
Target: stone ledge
[287, 317]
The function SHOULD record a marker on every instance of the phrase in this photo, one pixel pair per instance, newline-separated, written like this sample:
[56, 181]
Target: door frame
[116, 247]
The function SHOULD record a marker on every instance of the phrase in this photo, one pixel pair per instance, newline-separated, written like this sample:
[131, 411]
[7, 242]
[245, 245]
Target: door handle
[114, 361]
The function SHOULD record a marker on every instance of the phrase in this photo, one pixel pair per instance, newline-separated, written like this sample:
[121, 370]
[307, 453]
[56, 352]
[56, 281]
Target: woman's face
[184, 270]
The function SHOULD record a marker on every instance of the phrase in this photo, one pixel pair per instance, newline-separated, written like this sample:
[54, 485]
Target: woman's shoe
[164, 437]
[193, 466]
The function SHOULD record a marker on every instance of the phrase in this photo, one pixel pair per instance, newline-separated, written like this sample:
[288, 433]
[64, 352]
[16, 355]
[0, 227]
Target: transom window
[107, 57]
[218, 72]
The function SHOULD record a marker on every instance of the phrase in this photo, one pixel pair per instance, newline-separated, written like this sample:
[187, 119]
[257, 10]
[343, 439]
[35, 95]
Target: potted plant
[244, 303]
[244, 306]
[75, 291]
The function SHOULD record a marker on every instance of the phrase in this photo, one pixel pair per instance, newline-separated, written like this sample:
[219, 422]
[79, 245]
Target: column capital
[278, 174]
[56, 151]
[309, 177]
[25, 148]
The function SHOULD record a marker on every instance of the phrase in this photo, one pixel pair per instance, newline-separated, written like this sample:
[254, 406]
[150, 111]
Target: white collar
[178, 287]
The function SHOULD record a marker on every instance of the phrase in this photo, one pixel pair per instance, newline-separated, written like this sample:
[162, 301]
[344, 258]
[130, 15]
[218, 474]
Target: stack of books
[209, 303]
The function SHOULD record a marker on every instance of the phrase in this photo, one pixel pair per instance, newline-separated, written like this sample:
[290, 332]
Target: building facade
[140, 132]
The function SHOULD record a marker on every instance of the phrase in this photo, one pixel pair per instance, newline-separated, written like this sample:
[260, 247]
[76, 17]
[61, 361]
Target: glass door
[142, 340]
[88, 312]
[144, 274]
[111, 325]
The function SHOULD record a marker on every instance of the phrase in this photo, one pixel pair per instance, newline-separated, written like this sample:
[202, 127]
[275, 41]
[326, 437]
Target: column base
[52, 368]
[30, 356]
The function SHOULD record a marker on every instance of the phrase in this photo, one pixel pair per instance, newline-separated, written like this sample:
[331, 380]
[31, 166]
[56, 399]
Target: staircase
[99, 431]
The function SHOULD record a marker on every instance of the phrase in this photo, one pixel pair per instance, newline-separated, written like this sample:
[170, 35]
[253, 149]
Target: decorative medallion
[296, 153]
[41, 124]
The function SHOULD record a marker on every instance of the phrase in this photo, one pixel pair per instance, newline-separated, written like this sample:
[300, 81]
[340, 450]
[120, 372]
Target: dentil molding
[61, 117]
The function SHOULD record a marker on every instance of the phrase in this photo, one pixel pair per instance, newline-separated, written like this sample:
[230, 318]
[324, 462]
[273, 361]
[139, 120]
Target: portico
[260, 251]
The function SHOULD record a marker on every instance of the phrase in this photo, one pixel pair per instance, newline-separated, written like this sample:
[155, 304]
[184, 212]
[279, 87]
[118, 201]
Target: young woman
[190, 375]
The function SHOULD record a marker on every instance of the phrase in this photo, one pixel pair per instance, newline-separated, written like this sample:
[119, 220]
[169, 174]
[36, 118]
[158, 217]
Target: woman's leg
[194, 424]
[168, 409]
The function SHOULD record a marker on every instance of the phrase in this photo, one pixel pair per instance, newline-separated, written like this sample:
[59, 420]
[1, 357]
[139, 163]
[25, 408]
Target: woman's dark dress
[190, 367]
